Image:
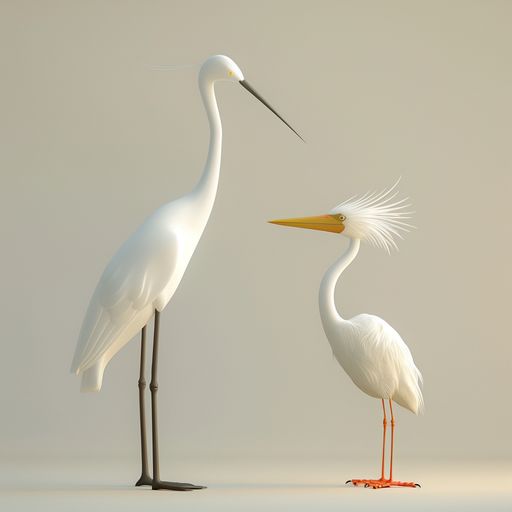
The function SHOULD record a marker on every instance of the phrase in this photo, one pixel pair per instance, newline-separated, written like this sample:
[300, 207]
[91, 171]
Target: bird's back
[377, 360]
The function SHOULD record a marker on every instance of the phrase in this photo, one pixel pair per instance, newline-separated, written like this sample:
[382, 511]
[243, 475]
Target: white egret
[143, 275]
[370, 351]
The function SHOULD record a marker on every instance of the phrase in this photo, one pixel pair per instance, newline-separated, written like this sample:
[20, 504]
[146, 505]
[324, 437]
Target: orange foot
[381, 483]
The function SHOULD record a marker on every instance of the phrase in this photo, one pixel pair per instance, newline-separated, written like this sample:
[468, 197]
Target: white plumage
[370, 351]
[145, 272]
[376, 358]
[376, 217]
[141, 277]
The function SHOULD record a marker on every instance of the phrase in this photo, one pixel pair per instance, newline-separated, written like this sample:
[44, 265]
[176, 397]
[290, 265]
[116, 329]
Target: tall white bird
[370, 351]
[143, 275]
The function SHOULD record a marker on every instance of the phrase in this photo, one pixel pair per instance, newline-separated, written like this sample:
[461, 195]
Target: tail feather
[92, 378]
[410, 395]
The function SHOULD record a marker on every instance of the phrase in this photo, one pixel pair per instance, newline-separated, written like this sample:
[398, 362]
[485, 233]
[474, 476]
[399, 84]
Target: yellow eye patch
[230, 73]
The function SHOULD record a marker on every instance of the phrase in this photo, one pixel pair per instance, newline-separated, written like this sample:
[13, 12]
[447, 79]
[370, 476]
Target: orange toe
[381, 483]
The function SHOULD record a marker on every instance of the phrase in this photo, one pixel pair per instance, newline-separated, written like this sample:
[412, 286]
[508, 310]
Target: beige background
[92, 141]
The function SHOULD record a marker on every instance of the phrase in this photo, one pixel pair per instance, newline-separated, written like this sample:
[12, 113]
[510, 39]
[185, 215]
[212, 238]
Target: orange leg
[392, 440]
[384, 425]
[383, 482]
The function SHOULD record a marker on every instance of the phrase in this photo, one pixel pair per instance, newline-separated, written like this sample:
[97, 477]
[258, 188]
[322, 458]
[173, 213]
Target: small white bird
[143, 275]
[370, 351]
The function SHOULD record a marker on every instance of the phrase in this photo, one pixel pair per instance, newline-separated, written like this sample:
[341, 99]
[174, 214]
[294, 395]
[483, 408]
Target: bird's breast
[185, 247]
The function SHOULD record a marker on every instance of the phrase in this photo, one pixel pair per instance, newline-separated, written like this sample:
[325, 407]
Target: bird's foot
[174, 486]
[144, 479]
[381, 483]
[162, 484]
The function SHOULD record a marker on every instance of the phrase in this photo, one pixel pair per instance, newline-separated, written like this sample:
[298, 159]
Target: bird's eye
[342, 217]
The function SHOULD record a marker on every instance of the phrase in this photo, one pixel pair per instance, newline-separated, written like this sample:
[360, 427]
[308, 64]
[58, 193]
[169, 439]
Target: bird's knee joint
[153, 386]
[393, 423]
[385, 422]
[142, 384]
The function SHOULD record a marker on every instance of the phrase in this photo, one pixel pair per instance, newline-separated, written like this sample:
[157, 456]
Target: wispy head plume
[377, 217]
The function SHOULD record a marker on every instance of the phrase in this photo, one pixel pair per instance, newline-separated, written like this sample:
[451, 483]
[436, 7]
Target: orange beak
[330, 223]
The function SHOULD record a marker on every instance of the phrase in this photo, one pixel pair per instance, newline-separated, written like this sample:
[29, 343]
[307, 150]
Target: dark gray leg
[153, 386]
[144, 479]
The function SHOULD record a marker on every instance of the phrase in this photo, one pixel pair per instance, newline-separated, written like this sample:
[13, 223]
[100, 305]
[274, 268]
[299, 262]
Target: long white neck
[328, 311]
[206, 189]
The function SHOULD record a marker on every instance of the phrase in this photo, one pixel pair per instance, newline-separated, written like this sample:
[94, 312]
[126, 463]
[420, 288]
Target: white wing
[379, 362]
[131, 282]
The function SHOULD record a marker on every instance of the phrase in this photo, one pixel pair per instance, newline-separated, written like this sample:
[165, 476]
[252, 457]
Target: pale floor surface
[262, 485]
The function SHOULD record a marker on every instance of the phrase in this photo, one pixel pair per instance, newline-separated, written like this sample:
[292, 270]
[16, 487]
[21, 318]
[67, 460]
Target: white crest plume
[376, 217]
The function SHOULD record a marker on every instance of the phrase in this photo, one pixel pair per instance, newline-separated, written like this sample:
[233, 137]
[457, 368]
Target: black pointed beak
[246, 86]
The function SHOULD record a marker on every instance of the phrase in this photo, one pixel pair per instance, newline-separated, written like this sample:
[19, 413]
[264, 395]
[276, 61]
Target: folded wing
[131, 282]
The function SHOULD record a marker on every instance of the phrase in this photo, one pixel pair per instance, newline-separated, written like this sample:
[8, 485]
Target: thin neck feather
[328, 310]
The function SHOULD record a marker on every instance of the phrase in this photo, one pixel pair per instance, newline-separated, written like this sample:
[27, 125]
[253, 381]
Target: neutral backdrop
[93, 140]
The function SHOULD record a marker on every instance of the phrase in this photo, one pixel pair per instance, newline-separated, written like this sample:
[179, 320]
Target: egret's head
[376, 217]
[220, 67]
